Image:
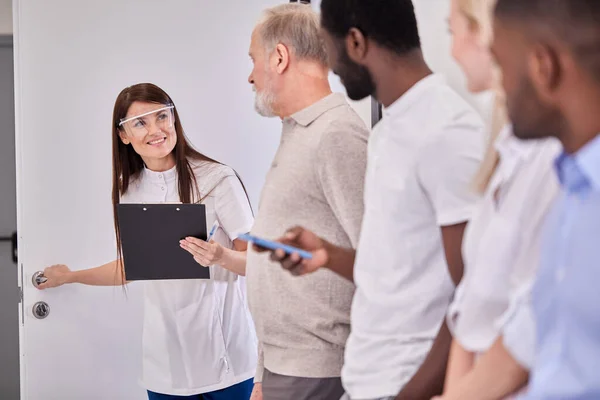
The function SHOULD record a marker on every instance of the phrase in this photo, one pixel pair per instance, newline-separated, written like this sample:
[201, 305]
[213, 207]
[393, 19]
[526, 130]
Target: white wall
[6, 23]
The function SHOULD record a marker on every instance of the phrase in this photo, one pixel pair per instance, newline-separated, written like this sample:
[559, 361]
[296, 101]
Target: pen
[213, 230]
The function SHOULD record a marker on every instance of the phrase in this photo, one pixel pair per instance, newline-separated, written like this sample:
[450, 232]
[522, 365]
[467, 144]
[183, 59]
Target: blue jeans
[241, 391]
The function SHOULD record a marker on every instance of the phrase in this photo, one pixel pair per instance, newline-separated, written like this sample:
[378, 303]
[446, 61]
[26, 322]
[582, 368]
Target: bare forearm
[460, 364]
[341, 261]
[109, 274]
[429, 379]
[234, 261]
[495, 375]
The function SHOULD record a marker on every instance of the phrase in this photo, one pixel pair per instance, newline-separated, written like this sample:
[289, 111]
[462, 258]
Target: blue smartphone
[271, 245]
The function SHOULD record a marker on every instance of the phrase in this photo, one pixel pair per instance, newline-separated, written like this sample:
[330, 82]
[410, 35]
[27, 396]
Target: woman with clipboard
[198, 340]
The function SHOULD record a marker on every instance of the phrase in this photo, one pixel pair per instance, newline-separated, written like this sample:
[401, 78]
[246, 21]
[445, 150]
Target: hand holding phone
[298, 242]
[274, 246]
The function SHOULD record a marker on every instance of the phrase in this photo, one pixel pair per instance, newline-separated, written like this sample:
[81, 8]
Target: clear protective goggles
[160, 119]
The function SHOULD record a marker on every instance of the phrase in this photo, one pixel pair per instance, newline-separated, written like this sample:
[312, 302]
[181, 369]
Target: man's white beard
[263, 102]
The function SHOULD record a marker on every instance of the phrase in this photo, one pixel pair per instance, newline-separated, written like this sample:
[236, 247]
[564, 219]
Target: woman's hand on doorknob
[56, 275]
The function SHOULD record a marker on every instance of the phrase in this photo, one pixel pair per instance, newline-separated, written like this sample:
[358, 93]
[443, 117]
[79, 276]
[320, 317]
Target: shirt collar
[588, 159]
[308, 115]
[160, 177]
[581, 169]
[510, 147]
[403, 103]
[512, 152]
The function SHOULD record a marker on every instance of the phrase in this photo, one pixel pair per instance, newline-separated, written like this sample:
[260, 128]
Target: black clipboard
[150, 235]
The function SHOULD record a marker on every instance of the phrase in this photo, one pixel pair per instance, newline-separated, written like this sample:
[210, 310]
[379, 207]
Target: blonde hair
[295, 25]
[479, 13]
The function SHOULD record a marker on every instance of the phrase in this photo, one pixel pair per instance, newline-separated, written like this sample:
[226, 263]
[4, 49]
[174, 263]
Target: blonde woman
[489, 318]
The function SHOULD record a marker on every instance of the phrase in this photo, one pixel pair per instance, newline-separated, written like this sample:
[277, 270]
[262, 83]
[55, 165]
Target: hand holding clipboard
[207, 252]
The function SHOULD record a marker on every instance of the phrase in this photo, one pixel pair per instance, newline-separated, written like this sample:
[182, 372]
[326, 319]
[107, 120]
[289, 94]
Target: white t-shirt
[501, 248]
[198, 335]
[422, 158]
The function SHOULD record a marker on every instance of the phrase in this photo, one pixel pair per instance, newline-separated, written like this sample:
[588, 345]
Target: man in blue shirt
[549, 51]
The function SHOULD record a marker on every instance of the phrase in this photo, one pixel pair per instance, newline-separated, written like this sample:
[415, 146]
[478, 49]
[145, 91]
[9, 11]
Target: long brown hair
[127, 164]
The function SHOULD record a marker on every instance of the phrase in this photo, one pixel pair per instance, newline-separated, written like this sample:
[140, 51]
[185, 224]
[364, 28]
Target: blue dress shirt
[566, 294]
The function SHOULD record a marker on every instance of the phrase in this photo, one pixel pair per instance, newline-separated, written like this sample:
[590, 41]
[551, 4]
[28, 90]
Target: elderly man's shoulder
[343, 125]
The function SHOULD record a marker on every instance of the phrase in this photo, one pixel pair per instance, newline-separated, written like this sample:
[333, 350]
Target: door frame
[20, 275]
[7, 42]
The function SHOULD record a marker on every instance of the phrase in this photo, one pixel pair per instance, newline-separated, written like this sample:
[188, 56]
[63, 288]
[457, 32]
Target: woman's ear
[124, 137]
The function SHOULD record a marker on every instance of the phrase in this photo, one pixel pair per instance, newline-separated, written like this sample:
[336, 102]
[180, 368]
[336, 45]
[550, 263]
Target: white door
[72, 58]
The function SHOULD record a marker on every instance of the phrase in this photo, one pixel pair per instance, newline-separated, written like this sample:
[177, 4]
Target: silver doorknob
[41, 310]
[38, 278]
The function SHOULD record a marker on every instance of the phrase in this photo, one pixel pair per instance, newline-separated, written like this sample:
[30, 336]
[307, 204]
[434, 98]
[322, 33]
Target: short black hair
[390, 23]
[575, 14]
[574, 22]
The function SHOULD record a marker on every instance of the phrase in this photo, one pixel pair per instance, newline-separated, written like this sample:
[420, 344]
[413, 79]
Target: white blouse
[501, 248]
[198, 335]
